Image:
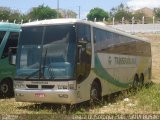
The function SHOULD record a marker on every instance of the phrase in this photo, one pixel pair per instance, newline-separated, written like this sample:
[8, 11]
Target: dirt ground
[154, 39]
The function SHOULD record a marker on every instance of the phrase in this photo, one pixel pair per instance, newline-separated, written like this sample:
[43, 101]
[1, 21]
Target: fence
[130, 28]
[138, 28]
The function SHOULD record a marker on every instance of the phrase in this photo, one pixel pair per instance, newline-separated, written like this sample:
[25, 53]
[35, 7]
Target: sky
[25, 6]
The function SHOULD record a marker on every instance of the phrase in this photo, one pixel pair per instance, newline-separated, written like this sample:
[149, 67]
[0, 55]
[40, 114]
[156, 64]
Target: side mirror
[12, 55]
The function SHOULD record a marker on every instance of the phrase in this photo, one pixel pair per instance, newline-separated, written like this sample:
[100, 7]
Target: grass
[145, 100]
[149, 99]
[142, 101]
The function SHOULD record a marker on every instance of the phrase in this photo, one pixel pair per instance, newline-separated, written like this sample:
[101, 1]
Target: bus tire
[95, 93]
[136, 82]
[6, 88]
[141, 80]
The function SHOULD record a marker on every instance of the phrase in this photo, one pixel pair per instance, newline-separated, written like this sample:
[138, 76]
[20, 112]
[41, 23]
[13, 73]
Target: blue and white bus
[69, 61]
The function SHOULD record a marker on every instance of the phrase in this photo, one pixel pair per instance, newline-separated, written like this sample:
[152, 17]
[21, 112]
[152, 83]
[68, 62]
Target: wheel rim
[94, 94]
[4, 88]
[135, 82]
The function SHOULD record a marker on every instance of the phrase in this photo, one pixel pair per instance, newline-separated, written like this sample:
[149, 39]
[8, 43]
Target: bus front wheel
[95, 93]
[6, 88]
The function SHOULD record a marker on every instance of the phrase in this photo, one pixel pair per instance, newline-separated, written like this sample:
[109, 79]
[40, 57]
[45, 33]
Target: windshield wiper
[34, 73]
[51, 73]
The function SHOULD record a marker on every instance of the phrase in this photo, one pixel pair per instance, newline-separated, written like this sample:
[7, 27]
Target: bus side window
[84, 33]
[11, 42]
[2, 34]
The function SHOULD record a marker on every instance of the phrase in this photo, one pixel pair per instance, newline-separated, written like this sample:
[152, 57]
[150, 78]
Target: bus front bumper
[46, 96]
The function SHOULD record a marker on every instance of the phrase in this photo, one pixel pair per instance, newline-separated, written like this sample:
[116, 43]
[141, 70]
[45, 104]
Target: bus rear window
[2, 33]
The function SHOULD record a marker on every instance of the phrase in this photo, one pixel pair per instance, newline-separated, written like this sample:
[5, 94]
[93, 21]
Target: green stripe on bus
[100, 71]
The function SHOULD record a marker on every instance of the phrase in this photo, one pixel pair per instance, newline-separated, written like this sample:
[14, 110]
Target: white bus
[69, 61]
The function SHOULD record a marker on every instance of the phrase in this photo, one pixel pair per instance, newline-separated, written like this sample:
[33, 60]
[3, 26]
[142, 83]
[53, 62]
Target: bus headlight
[71, 86]
[62, 87]
[19, 86]
[63, 95]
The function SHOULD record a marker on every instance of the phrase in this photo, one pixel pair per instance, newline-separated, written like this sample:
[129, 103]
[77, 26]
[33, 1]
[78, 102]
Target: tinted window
[115, 43]
[31, 35]
[104, 39]
[51, 47]
[2, 33]
[84, 52]
[84, 32]
[11, 42]
[30, 47]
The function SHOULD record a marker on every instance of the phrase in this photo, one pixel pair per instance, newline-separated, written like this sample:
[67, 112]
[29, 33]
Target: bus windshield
[47, 52]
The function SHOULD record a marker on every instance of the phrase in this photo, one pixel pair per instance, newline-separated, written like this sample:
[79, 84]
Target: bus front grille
[32, 86]
[47, 86]
[40, 86]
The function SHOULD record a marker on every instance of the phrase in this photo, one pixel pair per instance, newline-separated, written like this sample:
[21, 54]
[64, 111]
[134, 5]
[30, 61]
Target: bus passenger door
[81, 65]
[83, 51]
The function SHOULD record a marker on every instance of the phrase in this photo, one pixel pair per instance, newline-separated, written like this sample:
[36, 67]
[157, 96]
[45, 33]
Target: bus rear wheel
[141, 80]
[136, 82]
[6, 88]
[95, 93]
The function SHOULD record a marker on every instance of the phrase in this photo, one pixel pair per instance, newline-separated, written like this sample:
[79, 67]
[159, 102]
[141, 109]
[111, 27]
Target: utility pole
[132, 25]
[143, 20]
[57, 8]
[153, 19]
[79, 11]
[113, 21]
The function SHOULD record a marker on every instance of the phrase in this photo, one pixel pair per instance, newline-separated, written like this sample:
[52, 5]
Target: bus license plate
[40, 95]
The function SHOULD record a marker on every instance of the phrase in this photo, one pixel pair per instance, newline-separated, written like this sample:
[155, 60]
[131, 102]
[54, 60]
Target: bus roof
[9, 26]
[100, 25]
[51, 21]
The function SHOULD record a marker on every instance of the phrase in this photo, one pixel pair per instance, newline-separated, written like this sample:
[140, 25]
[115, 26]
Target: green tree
[138, 16]
[42, 12]
[121, 11]
[97, 13]
[157, 12]
[4, 13]
[9, 14]
[16, 15]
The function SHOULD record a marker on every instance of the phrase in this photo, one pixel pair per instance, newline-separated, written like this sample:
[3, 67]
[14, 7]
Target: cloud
[137, 4]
